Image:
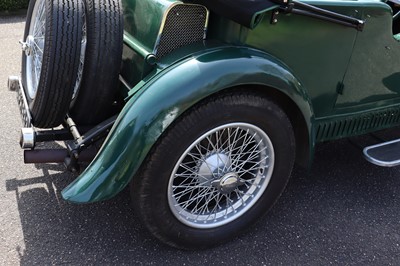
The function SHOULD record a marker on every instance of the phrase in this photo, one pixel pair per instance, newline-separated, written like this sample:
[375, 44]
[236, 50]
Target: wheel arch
[165, 97]
[304, 147]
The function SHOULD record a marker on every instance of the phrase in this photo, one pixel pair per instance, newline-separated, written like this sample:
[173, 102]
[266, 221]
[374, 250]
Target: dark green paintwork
[373, 74]
[143, 18]
[313, 53]
[163, 99]
[343, 81]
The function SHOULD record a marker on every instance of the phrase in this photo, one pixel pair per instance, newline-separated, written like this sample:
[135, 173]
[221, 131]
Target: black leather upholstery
[240, 11]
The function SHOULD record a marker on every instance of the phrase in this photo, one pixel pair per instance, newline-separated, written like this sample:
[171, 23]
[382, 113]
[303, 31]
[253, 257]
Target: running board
[385, 154]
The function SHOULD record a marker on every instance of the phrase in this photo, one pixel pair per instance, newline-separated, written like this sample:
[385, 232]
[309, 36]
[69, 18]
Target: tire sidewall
[265, 115]
[60, 61]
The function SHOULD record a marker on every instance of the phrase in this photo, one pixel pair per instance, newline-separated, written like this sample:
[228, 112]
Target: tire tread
[102, 62]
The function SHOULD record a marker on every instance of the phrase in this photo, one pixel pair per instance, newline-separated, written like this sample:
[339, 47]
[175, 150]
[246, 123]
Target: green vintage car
[202, 107]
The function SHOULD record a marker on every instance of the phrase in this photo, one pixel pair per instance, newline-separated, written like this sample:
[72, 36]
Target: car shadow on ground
[56, 231]
[15, 17]
[344, 210]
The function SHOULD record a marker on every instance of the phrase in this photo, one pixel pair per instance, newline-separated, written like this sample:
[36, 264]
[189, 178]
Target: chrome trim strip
[380, 162]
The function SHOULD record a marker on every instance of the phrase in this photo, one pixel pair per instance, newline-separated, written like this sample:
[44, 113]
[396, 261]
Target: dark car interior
[395, 5]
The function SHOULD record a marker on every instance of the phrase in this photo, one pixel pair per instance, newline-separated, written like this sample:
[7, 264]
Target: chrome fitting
[13, 83]
[27, 138]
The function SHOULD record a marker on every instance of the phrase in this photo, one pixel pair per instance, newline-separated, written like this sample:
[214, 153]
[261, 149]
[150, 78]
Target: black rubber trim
[240, 11]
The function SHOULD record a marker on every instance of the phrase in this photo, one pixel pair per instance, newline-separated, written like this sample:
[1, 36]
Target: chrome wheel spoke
[40, 22]
[186, 203]
[37, 47]
[192, 171]
[213, 210]
[82, 55]
[252, 154]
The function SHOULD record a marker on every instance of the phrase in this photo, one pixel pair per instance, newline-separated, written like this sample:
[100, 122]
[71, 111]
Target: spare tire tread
[102, 62]
[59, 63]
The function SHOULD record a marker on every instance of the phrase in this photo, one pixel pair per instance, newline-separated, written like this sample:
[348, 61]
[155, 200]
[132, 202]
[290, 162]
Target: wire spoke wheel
[221, 175]
[34, 47]
[215, 171]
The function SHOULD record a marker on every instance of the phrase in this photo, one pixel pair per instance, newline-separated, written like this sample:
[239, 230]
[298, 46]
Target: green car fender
[164, 98]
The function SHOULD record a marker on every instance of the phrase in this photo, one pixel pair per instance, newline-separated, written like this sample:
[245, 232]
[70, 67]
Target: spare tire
[92, 102]
[50, 62]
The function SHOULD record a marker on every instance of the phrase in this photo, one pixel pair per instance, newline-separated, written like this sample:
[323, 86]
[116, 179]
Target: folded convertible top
[244, 12]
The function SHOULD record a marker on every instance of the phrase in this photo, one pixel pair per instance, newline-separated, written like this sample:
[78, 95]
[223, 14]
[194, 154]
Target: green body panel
[351, 77]
[373, 74]
[344, 81]
[143, 19]
[309, 51]
[150, 111]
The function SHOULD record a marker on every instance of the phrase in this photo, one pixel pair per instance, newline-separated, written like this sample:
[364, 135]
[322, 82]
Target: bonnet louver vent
[183, 25]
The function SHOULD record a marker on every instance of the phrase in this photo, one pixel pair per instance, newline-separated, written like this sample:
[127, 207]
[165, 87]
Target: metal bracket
[14, 84]
[300, 8]
[340, 88]
[83, 141]
[274, 16]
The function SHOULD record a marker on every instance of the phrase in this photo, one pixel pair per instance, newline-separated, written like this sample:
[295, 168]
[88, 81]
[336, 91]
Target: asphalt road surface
[343, 211]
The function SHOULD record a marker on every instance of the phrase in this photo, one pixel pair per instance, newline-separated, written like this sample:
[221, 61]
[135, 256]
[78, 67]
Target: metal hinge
[300, 8]
[340, 88]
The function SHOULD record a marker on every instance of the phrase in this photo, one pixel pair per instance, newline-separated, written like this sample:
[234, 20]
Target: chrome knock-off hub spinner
[27, 46]
[228, 183]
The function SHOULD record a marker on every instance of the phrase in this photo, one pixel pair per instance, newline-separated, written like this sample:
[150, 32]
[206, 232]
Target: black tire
[150, 187]
[59, 60]
[99, 84]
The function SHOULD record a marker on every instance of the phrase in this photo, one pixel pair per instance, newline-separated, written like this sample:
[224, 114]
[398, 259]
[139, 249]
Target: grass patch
[12, 5]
